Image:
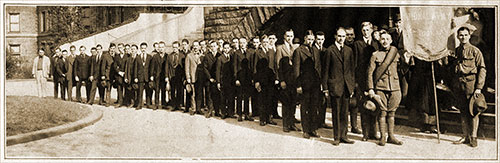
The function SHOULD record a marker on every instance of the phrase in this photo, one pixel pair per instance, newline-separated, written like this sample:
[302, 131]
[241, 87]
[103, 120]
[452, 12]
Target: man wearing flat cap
[469, 74]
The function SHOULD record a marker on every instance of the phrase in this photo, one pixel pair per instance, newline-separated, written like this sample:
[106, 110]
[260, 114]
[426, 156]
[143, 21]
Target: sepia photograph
[249, 81]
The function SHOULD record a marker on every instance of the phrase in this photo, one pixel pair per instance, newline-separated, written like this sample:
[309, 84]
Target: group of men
[219, 78]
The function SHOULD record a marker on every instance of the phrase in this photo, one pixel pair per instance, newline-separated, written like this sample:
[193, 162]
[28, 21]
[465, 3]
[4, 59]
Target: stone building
[21, 30]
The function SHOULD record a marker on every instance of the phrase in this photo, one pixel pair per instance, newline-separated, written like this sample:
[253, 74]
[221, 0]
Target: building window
[15, 49]
[42, 23]
[14, 22]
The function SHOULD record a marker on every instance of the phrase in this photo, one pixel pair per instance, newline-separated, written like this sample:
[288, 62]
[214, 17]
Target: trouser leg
[239, 99]
[63, 89]
[79, 90]
[149, 94]
[56, 87]
[93, 88]
[70, 90]
[246, 103]
[353, 113]
[382, 126]
[140, 92]
[305, 112]
[198, 95]
[322, 110]
[88, 89]
[108, 93]
[120, 94]
[254, 102]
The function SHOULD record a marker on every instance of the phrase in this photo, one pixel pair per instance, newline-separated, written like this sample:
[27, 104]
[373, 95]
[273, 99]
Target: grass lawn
[28, 113]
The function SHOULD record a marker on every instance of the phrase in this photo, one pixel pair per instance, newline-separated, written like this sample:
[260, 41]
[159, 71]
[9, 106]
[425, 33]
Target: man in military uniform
[383, 81]
[469, 76]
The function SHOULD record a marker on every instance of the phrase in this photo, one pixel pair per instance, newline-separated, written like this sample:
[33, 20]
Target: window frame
[18, 22]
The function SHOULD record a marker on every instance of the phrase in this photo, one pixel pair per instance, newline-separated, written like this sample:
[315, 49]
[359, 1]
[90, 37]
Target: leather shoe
[336, 142]
[364, 139]
[394, 141]
[248, 118]
[277, 117]
[314, 134]
[286, 129]
[223, 117]
[240, 118]
[355, 130]
[262, 123]
[463, 140]
[306, 135]
[295, 120]
[295, 128]
[326, 126]
[347, 141]
[272, 122]
[473, 142]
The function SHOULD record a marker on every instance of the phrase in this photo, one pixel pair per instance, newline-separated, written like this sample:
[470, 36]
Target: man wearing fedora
[469, 74]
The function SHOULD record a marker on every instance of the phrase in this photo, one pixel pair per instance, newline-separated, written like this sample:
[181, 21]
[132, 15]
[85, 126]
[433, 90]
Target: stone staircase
[229, 22]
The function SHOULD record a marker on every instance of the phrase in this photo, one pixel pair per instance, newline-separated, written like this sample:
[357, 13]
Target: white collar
[338, 45]
[367, 40]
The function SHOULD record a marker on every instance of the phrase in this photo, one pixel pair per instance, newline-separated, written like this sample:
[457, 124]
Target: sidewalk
[147, 134]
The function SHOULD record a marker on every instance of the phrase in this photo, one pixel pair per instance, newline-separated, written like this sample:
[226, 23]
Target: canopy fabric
[427, 31]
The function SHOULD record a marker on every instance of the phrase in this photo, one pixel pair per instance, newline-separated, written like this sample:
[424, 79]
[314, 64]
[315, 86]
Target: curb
[95, 116]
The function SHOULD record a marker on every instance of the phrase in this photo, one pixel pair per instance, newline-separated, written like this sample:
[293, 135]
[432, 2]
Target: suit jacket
[224, 69]
[239, 56]
[119, 64]
[70, 60]
[192, 62]
[256, 55]
[209, 62]
[362, 55]
[285, 72]
[320, 54]
[60, 68]
[53, 62]
[175, 66]
[95, 67]
[283, 51]
[129, 69]
[389, 81]
[158, 66]
[300, 55]
[141, 67]
[106, 63]
[82, 66]
[339, 70]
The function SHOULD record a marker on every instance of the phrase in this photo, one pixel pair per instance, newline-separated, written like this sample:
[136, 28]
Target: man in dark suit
[209, 66]
[95, 75]
[106, 71]
[185, 50]
[363, 50]
[70, 77]
[119, 69]
[319, 50]
[310, 95]
[338, 79]
[158, 65]
[243, 81]
[175, 73]
[225, 81]
[255, 52]
[60, 71]
[140, 74]
[273, 64]
[286, 77]
[55, 76]
[130, 90]
[82, 73]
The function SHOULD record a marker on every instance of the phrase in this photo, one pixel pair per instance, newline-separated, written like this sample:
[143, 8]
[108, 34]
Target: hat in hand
[477, 104]
[369, 105]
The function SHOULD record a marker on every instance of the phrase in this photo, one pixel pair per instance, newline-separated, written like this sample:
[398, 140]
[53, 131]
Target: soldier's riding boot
[383, 129]
[465, 129]
[473, 141]
[392, 139]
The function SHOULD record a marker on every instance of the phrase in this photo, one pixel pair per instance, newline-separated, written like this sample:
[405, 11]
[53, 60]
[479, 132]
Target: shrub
[17, 67]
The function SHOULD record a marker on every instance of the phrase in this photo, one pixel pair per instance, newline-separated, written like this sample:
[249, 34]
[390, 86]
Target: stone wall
[229, 22]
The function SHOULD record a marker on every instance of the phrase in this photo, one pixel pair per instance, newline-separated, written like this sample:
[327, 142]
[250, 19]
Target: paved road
[125, 132]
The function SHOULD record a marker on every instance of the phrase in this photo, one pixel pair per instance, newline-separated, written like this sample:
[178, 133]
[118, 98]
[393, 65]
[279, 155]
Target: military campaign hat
[477, 105]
